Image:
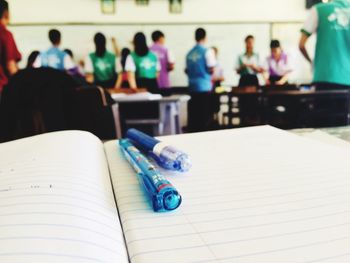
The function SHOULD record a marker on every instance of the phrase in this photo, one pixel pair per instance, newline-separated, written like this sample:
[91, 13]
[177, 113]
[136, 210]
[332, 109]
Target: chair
[45, 100]
[203, 111]
[141, 115]
[95, 112]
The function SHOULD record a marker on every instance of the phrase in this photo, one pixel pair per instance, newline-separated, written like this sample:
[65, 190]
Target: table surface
[274, 91]
[172, 98]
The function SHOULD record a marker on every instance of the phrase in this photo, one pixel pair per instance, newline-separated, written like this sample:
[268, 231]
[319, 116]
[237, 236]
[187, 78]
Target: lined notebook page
[56, 201]
[253, 195]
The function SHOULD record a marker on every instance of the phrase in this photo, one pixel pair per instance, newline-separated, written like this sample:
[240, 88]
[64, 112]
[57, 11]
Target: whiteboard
[229, 38]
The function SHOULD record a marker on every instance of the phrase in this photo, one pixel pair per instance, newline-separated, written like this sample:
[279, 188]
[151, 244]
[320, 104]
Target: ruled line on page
[58, 195]
[221, 219]
[271, 191]
[59, 239]
[251, 254]
[242, 208]
[54, 255]
[59, 203]
[246, 227]
[329, 258]
[282, 249]
[325, 189]
[112, 238]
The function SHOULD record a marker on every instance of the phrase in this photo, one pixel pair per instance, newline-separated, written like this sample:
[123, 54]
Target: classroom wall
[227, 26]
[203, 11]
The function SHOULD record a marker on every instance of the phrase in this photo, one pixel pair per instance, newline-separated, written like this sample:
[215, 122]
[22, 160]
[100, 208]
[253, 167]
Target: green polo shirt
[146, 66]
[331, 22]
[104, 68]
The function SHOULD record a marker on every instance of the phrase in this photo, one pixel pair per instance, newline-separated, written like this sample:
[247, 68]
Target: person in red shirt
[9, 54]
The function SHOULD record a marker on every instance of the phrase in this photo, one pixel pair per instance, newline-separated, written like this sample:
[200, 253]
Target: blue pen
[163, 195]
[166, 156]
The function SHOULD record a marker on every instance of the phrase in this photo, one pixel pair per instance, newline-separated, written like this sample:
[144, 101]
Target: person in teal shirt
[102, 67]
[200, 64]
[142, 65]
[331, 23]
[54, 57]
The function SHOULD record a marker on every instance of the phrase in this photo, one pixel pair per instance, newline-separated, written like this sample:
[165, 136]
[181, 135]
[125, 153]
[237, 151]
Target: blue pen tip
[184, 163]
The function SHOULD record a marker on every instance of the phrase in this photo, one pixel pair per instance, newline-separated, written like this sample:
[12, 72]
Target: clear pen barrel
[173, 159]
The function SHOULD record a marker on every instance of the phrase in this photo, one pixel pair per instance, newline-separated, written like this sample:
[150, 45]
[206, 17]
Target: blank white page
[253, 195]
[56, 201]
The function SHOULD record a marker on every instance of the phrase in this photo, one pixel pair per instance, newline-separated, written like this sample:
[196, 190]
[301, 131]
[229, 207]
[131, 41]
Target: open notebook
[253, 195]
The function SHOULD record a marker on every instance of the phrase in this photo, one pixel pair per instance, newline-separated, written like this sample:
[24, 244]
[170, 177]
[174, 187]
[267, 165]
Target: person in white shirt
[248, 65]
[218, 73]
[277, 67]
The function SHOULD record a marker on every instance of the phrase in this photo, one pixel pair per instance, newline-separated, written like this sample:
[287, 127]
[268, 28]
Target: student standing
[31, 58]
[248, 65]
[200, 63]
[218, 73]
[77, 72]
[102, 67]
[9, 54]
[166, 58]
[331, 23]
[54, 57]
[124, 55]
[277, 67]
[142, 65]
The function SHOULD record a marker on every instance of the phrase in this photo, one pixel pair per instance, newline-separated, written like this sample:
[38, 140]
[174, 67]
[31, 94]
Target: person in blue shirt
[200, 63]
[54, 57]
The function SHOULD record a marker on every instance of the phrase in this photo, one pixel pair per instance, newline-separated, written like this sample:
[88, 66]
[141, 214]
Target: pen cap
[171, 158]
[142, 140]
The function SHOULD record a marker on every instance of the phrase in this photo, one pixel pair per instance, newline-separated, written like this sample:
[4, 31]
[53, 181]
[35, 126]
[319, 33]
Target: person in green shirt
[142, 65]
[331, 23]
[102, 67]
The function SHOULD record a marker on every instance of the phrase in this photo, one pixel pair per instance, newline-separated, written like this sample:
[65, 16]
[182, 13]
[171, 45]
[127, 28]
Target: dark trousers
[150, 84]
[274, 79]
[108, 84]
[201, 110]
[247, 80]
[330, 86]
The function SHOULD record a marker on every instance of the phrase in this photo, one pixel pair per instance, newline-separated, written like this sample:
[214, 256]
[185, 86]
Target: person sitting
[142, 66]
[248, 65]
[102, 67]
[54, 57]
[277, 67]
